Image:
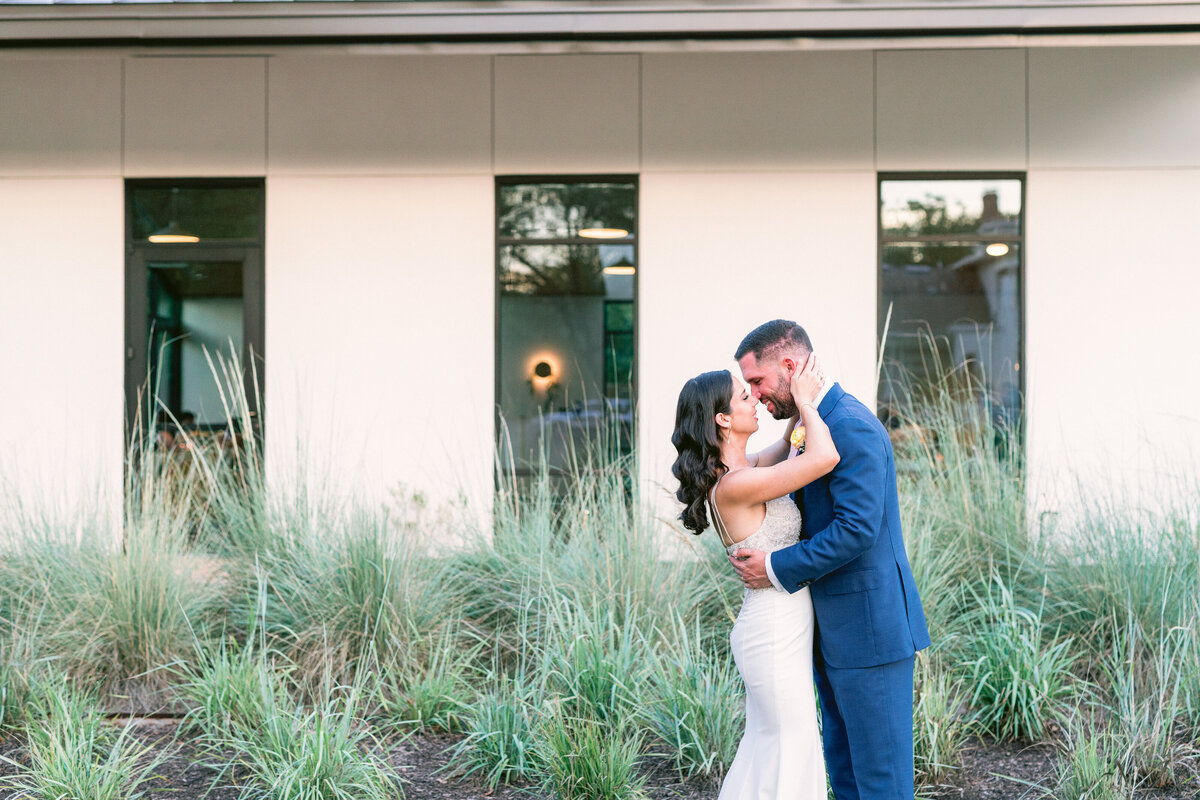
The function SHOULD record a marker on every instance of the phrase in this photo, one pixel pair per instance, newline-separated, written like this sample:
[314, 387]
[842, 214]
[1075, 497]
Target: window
[194, 291]
[566, 258]
[951, 254]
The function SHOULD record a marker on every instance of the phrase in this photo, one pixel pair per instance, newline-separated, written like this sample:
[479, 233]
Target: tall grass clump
[21, 672]
[227, 689]
[1147, 676]
[1129, 567]
[940, 724]
[582, 759]
[428, 687]
[114, 611]
[1089, 768]
[694, 705]
[240, 703]
[1020, 672]
[73, 753]
[499, 746]
[595, 660]
[323, 753]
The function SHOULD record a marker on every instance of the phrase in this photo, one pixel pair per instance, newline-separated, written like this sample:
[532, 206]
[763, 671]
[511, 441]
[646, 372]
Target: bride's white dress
[779, 757]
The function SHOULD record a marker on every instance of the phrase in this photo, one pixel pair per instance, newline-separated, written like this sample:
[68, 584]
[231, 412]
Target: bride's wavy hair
[698, 465]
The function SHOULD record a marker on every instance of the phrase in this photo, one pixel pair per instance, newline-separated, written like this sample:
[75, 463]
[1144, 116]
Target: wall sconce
[543, 373]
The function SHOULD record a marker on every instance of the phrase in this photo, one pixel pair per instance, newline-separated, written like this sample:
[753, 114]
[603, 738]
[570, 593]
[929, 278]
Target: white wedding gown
[779, 757]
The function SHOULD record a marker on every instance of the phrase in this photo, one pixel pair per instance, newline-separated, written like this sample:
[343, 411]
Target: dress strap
[718, 522]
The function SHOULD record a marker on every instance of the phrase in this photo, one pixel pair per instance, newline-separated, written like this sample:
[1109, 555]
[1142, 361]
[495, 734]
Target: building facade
[421, 185]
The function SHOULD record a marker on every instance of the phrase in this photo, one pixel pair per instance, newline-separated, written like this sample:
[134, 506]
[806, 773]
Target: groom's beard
[785, 407]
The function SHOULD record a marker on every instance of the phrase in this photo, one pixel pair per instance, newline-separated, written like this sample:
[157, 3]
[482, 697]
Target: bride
[779, 757]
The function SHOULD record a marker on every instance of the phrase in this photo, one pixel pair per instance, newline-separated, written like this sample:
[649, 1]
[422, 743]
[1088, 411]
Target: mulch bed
[988, 772]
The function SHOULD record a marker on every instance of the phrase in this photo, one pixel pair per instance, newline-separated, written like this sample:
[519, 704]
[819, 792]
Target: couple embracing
[814, 533]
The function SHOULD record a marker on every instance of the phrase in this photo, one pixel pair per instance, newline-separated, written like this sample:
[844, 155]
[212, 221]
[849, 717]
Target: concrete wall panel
[380, 348]
[950, 109]
[1111, 344]
[757, 111]
[62, 339]
[1114, 107]
[573, 113]
[60, 116]
[380, 114]
[188, 116]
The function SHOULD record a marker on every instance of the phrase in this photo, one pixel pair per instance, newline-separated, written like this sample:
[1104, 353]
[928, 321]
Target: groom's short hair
[770, 336]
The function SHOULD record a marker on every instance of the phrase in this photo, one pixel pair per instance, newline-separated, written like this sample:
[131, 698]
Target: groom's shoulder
[852, 412]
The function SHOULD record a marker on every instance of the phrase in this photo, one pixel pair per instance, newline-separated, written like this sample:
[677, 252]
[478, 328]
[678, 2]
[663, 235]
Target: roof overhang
[168, 23]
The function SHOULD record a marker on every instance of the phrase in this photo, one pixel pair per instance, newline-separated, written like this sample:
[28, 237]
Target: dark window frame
[139, 251]
[882, 241]
[502, 181]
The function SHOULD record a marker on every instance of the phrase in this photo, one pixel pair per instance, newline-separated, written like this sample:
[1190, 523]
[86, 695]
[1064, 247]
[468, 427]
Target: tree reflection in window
[950, 276]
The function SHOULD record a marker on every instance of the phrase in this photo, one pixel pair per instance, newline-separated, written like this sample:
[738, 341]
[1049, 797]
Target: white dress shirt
[816, 404]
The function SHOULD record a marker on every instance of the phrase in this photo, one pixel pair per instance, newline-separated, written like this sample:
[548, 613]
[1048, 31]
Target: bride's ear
[723, 420]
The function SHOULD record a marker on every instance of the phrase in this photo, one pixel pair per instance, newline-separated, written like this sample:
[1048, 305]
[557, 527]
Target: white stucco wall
[61, 344]
[380, 334]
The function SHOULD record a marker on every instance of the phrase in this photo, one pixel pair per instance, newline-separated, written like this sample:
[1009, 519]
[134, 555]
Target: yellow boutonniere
[798, 439]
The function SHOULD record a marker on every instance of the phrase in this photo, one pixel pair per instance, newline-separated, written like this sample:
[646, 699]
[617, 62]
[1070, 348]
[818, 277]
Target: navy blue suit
[868, 613]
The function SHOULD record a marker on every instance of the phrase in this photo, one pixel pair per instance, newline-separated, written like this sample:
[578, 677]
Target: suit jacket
[851, 552]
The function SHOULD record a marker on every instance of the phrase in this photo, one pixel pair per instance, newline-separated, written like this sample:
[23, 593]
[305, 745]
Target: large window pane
[566, 270]
[195, 313]
[951, 276]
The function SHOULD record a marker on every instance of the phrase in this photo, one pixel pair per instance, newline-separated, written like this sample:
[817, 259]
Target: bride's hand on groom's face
[807, 381]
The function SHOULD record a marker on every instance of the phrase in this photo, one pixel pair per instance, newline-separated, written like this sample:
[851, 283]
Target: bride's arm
[750, 486]
[776, 451]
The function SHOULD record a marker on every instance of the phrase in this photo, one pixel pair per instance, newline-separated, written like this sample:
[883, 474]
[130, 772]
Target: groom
[868, 615]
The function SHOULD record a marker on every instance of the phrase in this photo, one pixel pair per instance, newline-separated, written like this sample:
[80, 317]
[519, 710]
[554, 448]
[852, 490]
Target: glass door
[194, 357]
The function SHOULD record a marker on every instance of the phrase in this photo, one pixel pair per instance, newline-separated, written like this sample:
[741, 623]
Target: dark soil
[990, 771]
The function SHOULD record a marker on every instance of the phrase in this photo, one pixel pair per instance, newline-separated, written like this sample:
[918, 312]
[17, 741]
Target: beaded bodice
[780, 528]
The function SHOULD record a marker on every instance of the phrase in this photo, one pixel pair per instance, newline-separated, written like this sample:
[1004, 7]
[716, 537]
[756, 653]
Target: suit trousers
[867, 728]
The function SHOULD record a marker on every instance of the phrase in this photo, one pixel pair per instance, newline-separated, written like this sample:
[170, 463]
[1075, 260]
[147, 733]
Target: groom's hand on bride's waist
[751, 568]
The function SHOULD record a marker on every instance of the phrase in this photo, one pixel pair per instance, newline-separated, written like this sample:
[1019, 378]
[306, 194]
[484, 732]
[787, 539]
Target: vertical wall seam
[875, 110]
[641, 116]
[1027, 111]
[266, 115]
[123, 60]
[492, 131]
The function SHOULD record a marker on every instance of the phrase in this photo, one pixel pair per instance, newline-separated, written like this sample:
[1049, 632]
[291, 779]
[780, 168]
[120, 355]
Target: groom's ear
[789, 364]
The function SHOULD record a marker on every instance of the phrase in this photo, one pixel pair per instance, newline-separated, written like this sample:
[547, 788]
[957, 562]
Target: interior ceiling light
[172, 234]
[620, 269]
[603, 233]
[997, 249]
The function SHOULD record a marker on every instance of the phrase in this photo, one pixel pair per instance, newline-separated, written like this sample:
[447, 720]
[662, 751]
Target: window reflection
[566, 271]
[203, 212]
[567, 211]
[951, 272]
[933, 208]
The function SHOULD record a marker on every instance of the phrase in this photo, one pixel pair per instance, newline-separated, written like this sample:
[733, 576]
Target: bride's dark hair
[698, 465]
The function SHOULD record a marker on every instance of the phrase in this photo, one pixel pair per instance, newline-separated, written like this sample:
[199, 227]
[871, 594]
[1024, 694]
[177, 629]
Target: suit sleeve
[857, 488]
